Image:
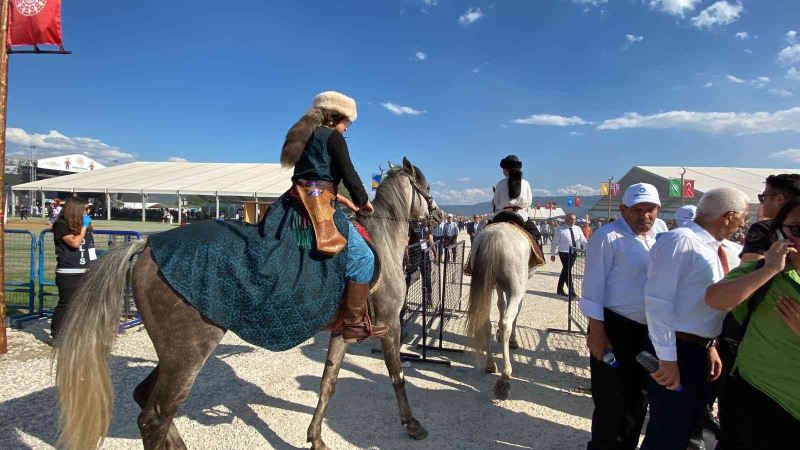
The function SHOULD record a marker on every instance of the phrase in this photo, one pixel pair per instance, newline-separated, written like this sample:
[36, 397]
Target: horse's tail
[82, 348]
[484, 264]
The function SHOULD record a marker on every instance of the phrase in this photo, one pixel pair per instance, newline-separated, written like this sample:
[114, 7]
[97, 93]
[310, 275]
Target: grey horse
[184, 339]
[499, 259]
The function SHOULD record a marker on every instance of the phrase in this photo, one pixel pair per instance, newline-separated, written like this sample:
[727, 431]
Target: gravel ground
[248, 397]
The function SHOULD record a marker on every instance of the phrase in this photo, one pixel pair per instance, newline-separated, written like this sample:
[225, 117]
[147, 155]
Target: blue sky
[580, 89]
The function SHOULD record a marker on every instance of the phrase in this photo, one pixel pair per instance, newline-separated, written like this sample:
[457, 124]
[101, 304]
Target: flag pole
[609, 198]
[682, 174]
[3, 110]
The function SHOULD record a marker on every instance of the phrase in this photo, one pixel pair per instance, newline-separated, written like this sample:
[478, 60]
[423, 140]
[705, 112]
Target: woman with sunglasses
[72, 233]
[760, 408]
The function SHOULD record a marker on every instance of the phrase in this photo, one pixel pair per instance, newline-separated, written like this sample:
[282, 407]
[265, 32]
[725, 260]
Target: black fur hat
[511, 162]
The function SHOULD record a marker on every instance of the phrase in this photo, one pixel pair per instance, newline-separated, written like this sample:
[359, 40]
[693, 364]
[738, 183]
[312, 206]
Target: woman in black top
[75, 251]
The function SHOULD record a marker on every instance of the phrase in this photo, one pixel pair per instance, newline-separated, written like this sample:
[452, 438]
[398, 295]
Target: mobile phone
[780, 235]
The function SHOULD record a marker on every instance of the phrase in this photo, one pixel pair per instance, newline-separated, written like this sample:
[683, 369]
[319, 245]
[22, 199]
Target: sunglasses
[794, 230]
[762, 197]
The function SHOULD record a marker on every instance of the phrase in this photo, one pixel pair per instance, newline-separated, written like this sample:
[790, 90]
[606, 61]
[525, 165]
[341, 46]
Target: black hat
[511, 162]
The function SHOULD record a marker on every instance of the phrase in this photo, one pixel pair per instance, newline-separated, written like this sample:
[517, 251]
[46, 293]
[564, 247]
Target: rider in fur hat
[316, 148]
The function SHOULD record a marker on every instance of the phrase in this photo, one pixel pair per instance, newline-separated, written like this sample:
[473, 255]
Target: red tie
[723, 258]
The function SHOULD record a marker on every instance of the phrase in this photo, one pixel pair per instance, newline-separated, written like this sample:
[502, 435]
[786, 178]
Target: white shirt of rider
[523, 201]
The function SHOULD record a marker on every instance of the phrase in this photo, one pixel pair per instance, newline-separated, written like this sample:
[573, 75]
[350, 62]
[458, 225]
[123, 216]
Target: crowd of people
[656, 303]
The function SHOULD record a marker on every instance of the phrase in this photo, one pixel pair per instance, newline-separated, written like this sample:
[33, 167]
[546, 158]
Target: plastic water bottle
[610, 359]
[650, 363]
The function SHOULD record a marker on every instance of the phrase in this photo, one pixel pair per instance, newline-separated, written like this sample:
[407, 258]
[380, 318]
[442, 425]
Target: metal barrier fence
[576, 321]
[20, 274]
[434, 286]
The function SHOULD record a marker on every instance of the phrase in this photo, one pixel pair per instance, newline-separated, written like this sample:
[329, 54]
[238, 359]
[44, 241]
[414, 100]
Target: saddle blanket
[262, 282]
[536, 259]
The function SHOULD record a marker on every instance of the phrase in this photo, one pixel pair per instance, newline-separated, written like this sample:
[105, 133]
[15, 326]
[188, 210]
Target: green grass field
[18, 251]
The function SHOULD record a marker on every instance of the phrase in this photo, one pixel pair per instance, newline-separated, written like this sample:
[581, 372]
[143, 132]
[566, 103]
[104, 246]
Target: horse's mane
[390, 197]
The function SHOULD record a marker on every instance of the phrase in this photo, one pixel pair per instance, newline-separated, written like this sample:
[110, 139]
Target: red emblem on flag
[538, 205]
[614, 189]
[688, 188]
[578, 202]
[34, 22]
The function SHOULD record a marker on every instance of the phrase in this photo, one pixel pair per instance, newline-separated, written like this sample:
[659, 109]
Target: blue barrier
[20, 280]
[47, 266]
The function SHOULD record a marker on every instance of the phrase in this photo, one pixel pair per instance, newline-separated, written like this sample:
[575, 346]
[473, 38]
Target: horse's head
[422, 203]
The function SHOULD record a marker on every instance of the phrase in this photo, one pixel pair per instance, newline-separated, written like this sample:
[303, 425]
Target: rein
[417, 190]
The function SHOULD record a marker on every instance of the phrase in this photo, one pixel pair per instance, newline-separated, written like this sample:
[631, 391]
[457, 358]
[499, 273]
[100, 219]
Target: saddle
[537, 258]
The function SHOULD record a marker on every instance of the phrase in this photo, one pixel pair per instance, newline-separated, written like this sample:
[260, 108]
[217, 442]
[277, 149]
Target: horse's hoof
[317, 444]
[415, 430]
[502, 388]
[513, 345]
[491, 368]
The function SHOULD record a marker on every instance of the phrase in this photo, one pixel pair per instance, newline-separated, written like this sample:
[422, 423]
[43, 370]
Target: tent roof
[542, 213]
[223, 179]
[748, 180]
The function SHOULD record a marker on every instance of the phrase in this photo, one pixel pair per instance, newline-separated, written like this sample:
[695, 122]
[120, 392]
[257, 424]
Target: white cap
[336, 101]
[685, 214]
[640, 193]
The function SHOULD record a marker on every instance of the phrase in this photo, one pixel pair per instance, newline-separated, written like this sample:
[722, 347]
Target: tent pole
[41, 207]
[108, 206]
[216, 199]
[144, 205]
[180, 208]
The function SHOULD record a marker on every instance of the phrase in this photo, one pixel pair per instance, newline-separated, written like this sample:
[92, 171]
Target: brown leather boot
[354, 317]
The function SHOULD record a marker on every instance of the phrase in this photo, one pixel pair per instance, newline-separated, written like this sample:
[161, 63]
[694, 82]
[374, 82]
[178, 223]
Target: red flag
[688, 188]
[34, 22]
[578, 202]
[548, 205]
[614, 189]
[538, 205]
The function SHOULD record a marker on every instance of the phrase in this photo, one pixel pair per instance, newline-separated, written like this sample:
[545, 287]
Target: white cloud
[576, 133]
[719, 14]
[542, 192]
[632, 39]
[55, 143]
[551, 120]
[748, 51]
[759, 82]
[793, 74]
[421, 56]
[734, 79]
[431, 2]
[790, 55]
[791, 154]
[742, 35]
[468, 196]
[471, 16]
[791, 36]
[787, 120]
[476, 69]
[177, 159]
[590, 2]
[399, 110]
[780, 92]
[464, 179]
[708, 85]
[675, 7]
[580, 189]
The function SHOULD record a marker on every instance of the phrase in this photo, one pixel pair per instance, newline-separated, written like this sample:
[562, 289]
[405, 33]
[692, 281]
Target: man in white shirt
[566, 238]
[612, 298]
[682, 328]
[450, 234]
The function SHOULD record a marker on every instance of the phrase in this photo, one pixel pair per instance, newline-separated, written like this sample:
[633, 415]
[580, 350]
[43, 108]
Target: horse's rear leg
[391, 355]
[333, 362]
[501, 306]
[503, 386]
[183, 340]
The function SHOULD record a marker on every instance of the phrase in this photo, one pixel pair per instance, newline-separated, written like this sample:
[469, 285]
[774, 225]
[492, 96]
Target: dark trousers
[67, 285]
[567, 261]
[619, 400]
[673, 414]
[751, 420]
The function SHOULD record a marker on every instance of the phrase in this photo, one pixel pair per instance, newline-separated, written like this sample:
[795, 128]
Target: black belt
[694, 339]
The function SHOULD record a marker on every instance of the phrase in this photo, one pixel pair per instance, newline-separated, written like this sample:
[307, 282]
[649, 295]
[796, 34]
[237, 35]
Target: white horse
[500, 261]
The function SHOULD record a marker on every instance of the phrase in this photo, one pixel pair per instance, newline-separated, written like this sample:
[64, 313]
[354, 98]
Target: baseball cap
[685, 214]
[640, 193]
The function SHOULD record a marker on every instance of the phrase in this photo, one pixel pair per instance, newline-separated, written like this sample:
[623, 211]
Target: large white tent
[239, 181]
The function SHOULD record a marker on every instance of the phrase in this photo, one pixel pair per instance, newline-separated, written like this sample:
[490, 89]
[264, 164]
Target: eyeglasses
[762, 197]
[794, 230]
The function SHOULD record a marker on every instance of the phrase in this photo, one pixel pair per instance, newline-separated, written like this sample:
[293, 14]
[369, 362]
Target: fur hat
[511, 162]
[338, 102]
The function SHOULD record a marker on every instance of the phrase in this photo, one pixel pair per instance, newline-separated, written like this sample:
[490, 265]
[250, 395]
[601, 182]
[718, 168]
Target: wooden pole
[609, 198]
[3, 111]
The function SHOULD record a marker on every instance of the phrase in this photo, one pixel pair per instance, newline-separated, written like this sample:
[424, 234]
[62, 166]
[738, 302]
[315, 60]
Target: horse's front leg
[391, 355]
[333, 362]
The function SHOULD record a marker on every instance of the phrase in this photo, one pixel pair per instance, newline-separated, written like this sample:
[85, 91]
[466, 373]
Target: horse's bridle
[419, 191]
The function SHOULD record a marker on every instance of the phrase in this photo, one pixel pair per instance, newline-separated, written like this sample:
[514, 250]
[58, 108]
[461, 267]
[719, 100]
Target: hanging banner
[604, 188]
[376, 181]
[688, 188]
[34, 22]
[674, 187]
[614, 189]
[578, 202]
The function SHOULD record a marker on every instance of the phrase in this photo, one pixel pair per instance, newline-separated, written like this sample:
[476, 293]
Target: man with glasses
[778, 190]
